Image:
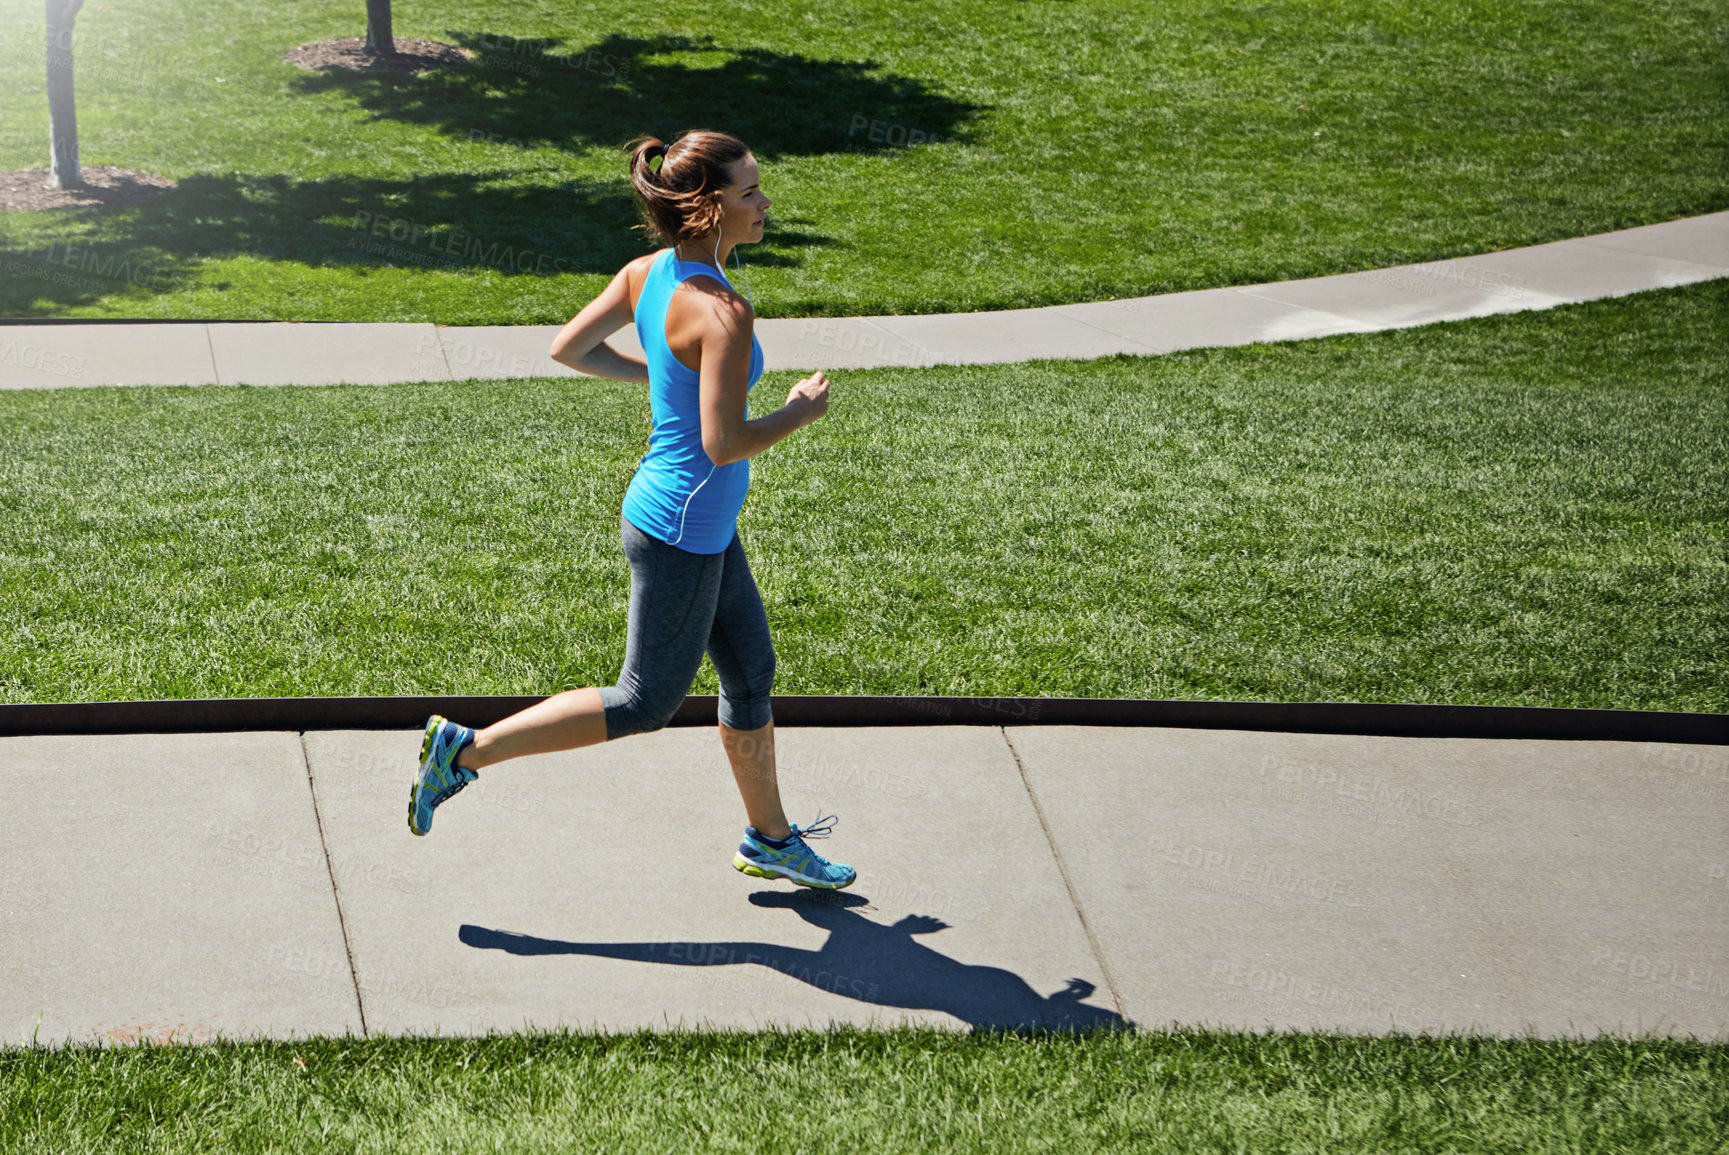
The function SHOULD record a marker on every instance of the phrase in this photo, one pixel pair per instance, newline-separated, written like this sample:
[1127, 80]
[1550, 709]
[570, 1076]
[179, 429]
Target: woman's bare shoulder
[706, 296]
[636, 275]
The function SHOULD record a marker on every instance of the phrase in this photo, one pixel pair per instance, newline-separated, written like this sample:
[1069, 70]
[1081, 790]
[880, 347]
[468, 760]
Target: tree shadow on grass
[449, 221]
[547, 92]
[515, 93]
[861, 960]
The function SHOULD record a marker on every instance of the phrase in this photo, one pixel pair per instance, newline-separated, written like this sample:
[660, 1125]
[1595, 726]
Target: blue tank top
[677, 494]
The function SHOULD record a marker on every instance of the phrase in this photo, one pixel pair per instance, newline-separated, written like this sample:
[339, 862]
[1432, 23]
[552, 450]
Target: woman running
[691, 589]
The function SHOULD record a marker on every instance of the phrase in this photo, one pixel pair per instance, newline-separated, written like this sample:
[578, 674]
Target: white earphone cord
[738, 263]
[704, 481]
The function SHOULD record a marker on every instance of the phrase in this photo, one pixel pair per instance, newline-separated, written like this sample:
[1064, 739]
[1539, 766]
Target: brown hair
[682, 200]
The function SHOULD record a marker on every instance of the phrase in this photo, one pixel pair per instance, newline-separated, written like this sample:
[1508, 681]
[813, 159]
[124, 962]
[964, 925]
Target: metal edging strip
[1382, 718]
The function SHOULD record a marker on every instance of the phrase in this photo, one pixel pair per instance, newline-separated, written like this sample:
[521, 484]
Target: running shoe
[795, 861]
[439, 776]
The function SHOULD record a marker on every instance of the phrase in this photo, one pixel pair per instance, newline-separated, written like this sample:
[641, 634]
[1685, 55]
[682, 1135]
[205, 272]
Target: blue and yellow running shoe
[439, 776]
[792, 859]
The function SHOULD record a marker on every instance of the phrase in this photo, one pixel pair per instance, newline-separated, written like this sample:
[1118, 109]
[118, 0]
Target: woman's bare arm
[581, 344]
[724, 383]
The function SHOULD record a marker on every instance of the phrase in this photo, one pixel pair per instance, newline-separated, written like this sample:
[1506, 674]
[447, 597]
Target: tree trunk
[63, 170]
[379, 41]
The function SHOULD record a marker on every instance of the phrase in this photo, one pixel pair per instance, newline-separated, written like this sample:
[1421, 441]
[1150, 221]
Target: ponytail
[677, 187]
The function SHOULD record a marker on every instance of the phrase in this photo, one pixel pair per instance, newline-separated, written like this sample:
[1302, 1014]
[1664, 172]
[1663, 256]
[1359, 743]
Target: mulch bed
[411, 55]
[26, 190]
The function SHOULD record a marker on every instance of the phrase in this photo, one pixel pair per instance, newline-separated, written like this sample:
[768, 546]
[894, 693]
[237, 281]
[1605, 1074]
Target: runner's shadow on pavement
[861, 960]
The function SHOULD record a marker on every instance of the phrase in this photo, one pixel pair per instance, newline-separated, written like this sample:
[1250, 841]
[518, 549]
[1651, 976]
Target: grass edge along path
[902, 1089]
[1526, 509]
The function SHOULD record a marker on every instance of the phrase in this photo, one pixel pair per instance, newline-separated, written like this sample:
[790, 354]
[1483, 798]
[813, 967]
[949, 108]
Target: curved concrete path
[287, 353]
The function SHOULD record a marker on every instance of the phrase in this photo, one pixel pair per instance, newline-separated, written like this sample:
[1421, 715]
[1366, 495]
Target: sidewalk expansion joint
[1062, 869]
[210, 343]
[335, 891]
[443, 353]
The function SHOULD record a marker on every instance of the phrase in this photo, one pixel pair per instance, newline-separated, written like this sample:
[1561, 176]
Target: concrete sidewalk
[184, 886]
[284, 353]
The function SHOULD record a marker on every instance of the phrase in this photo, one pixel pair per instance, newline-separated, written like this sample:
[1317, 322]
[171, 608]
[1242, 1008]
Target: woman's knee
[747, 707]
[640, 713]
[756, 679]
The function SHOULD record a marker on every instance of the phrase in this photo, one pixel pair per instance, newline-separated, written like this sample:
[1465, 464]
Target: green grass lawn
[1527, 509]
[953, 155]
[851, 1090]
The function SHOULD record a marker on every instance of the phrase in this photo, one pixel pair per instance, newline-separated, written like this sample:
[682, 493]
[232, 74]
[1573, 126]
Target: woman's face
[743, 203]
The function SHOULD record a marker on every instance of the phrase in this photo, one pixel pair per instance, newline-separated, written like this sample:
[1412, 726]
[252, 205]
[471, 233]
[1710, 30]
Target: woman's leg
[751, 753]
[672, 592]
[742, 651]
[563, 722]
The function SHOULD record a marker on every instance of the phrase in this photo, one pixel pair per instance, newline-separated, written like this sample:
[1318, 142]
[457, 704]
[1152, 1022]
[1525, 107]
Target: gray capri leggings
[681, 605]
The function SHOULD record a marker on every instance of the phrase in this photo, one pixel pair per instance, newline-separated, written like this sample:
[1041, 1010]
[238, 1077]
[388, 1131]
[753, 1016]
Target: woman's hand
[809, 398]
